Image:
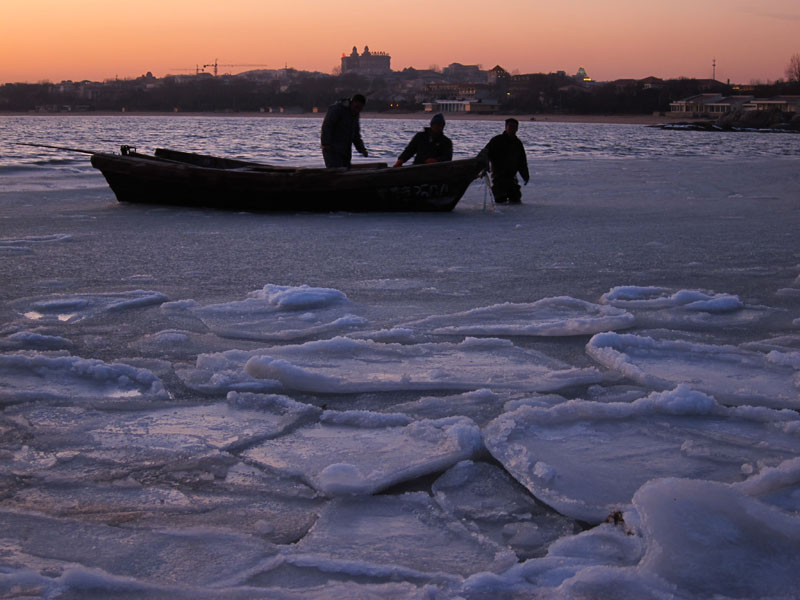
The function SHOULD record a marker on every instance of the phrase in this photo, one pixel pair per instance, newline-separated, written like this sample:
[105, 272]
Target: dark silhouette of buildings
[368, 63]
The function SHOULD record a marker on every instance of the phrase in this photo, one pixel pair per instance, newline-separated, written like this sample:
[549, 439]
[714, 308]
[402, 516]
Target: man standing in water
[341, 130]
[506, 156]
[428, 146]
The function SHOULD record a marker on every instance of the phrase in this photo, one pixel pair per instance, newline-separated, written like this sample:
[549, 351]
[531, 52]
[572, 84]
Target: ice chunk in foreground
[78, 307]
[343, 365]
[732, 375]
[363, 453]
[33, 376]
[277, 313]
[423, 538]
[559, 316]
[709, 538]
[587, 459]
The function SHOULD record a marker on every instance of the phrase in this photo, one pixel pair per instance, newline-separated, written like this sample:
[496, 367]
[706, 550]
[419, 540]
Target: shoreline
[650, 119]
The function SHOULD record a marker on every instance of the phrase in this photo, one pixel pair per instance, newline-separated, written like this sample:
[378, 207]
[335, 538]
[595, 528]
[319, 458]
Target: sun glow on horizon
[96, 40]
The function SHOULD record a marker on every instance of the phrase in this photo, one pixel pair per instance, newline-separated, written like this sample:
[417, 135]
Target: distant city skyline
[57, 40]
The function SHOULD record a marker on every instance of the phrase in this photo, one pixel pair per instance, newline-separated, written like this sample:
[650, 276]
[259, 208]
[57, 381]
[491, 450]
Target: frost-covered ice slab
[587, 459]
[33, 340]
[78, 307]
[70, 442]
[71, 379]
[276, 313]
[278, 510]
[559, 316]
[481, 405]
[753, 545]
[424, 540]
[500, 508]
[684, 309]
[779, 486]
[221, 372]
[344, 365]
[360, 452]
[732, 375]
[570, 565]
[199, 557]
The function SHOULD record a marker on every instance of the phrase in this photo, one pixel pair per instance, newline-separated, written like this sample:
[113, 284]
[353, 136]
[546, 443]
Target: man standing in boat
[428, 146]
[341, 130]
[506, 156]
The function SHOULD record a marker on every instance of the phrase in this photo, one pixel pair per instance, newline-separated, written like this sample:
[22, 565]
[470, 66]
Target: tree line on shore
[299, 91]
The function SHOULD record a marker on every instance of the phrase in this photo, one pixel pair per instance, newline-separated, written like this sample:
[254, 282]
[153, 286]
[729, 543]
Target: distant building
[368, 63]
[471, 106]
[709, 104]
[459, 72]
[582, 77]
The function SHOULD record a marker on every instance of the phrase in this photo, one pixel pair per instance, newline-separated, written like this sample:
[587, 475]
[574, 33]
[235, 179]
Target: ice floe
[418, 529]
[346, 365]
[560, 316]
[276, 313]
[587, 459]
[733, 375]
[67, 379]
[360, 452]
[684, 309]
[486, 497]
[72, 308]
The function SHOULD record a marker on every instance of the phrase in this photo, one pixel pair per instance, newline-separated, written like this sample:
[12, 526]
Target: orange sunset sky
[54, 40]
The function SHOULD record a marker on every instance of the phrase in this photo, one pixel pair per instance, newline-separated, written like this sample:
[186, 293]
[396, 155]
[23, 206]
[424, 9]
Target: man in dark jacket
[506, 156]
[341, 130]
[429, 145]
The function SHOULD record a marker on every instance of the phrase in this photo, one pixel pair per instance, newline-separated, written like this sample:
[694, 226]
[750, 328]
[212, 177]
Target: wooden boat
[170, 177]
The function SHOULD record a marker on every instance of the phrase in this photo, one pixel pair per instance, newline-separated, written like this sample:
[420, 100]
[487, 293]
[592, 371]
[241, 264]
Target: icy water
[592, 395]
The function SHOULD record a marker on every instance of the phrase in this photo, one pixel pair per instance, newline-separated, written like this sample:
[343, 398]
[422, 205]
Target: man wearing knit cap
[428, 146]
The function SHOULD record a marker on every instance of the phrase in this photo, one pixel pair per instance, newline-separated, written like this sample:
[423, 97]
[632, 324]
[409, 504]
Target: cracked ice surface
[587, 459]
[276, 313]
[733, 375]
[363, 453]
[561, 316]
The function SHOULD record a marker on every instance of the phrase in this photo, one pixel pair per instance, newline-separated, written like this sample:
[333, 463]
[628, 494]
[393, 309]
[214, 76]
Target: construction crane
[197, 69]
[216, 65]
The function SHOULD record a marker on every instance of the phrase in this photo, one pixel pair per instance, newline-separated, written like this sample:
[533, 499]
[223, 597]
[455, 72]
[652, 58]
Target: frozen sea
[592, 395]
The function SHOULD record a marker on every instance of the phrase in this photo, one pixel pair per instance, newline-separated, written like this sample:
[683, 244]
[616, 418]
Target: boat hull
[237, 185]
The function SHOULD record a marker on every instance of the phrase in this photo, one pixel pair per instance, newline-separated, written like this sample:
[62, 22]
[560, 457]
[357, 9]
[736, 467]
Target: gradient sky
[54, 40]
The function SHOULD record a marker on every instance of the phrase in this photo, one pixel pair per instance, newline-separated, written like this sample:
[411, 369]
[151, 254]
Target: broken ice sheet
[408, 531]
[276, 313]
[779, 485]
[31, 376]
[500, 508]
[732, 375]
[359, 452]
[559, 316]
[202, 557]
[481, 405]
[754, 544]
[587, 459]
[71, 442]
[344, 365]
[684, 309]
[78, 307]
[275, 509]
